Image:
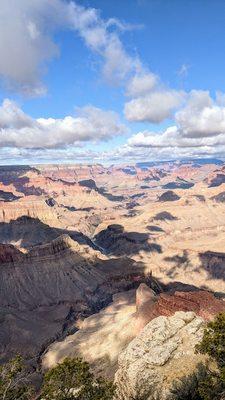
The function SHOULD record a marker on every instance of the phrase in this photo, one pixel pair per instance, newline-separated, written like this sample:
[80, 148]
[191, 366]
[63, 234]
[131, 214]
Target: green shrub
[207, 382]
[213, 344]
[13, 381]
[72, 380]
[187, 388]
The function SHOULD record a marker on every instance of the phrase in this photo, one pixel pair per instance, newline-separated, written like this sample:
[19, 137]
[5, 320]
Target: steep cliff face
[9, 253]
[43, 290]
[163, 352]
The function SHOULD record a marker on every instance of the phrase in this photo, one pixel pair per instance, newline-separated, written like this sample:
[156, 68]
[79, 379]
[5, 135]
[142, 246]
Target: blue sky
[64, 61]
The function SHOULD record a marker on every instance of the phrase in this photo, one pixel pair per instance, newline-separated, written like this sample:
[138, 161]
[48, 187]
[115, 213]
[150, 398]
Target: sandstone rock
[163, 352]
[100, 338]
[149, 306]
[145, 300]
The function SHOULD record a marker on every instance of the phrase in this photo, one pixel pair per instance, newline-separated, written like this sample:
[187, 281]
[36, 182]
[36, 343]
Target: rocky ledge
[164, 351]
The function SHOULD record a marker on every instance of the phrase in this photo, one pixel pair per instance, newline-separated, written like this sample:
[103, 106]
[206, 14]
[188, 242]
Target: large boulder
[163, 352]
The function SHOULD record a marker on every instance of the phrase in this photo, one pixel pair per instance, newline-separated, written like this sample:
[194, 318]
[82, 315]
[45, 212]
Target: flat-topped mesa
[9, 253]
[150, 306]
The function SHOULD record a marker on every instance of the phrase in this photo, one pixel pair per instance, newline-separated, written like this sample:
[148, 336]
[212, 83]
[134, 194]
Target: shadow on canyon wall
[28, 232]
[213, 263]
[116, 241]
[164, 216]
[15, 175]
[90, 184]
[178, 261]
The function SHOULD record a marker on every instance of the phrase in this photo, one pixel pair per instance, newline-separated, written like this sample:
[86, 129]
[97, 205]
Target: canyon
[91, 256]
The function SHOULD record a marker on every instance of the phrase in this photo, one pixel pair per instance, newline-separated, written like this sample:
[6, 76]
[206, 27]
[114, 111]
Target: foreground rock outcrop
[103, 336]
[163, 352]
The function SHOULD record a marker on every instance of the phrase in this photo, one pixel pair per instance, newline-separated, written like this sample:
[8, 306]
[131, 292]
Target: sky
[104, 81]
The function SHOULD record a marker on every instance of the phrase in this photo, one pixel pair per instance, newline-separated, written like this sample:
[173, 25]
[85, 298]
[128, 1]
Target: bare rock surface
[101, 337]
[145, 301]
[163, 352]
[150, 306]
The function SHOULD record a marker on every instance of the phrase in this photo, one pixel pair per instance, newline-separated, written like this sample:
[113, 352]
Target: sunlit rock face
[100, 338]
[149, 305]
[162, 352]
[103, 336]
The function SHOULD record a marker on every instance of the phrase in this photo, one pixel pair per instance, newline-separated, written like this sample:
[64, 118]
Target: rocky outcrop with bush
[163, 352]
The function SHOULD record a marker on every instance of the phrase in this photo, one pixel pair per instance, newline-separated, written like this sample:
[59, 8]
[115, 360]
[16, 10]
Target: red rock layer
[203, 303]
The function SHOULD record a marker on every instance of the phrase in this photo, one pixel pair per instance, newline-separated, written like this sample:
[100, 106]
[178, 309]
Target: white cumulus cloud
[90, 124]
[141, 84]
[154, 107]
[201, 117]
[27, 41]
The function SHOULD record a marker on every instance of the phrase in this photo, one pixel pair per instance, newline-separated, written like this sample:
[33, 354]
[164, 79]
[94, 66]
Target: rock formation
[26, 232]
[9, 253]
[163, 352]
[178, 184]
[164, 216]
[100, 338]
[145, 301]
[42, 291]
[216, 179]
[115, 240]
[149, 305]
[7, 196]
[219, 198]
[169, 195]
